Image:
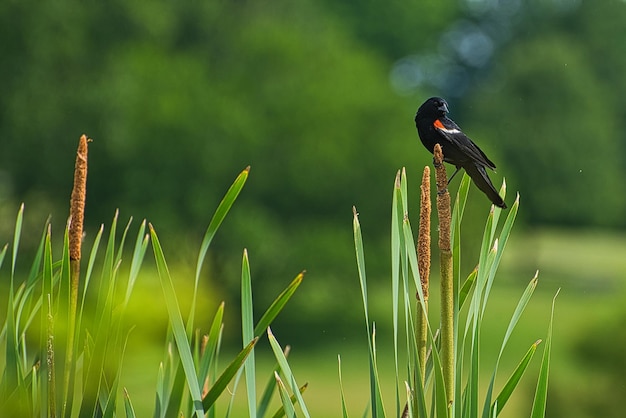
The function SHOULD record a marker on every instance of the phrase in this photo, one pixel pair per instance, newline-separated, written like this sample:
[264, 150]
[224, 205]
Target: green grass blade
[88, 274]
[459, 208]
[178, 327]
[118, 256]
[16, 239]
[281, 411]
[502, 241]
[141, 246]
[247, 324]
[35, 268]
[375, 395]
[270, 387]
[128, 406]
[378, 409]
[521, 306]
[159, 402]
[360, 262]
[396, 228]
[46, 290]
[209, 356]
[288, 407]
[513, 381]
[103, 344]
[344, 408]
[111, 404]
[467, 287]
[284, 366]
[176, 392]
[277, 306]
[67, 316]
[440, 403]
[220, 384]
[12, 375]
[220, 213]
[541, 392]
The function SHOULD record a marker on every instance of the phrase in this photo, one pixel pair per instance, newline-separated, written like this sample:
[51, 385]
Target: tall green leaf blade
[440, 403]
[270, 387]
[375, 394]
[459, 209]
[218, 217]
[288, 407]
[94, 365]
[176, 392]
[513, 381]
[220, 384]
[178, 327]
[541, 392]
[209, 355]
[286, 369]
[521, 305]
[344, 408]
[502, 241]
[16, 239]
[360, 262]
[396, 227]
[128, 406]
[277, 306]
[467, 286]
[281, 411]
[247, 325]
[12, 375]
[141, 246]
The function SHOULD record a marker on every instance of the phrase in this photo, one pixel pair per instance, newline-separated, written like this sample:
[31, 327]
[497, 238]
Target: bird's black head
[433, 107]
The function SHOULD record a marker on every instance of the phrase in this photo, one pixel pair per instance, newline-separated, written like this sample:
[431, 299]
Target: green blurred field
[586, 266]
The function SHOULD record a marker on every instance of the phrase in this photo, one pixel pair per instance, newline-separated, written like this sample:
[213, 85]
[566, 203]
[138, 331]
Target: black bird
[434, 127]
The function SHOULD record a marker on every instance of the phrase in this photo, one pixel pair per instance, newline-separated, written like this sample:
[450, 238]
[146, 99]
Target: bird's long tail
[481, 180]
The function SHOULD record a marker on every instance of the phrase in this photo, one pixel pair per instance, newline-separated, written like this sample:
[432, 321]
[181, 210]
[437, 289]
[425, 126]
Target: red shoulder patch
[438, 124]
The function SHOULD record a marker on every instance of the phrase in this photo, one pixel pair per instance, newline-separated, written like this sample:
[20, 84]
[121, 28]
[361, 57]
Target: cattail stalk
[75, 232]
[447, 277]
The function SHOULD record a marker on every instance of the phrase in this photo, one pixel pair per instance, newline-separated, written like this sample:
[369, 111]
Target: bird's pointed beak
[443, 108]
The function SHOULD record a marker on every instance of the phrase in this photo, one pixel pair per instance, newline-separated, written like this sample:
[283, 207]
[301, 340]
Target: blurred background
[318, 97]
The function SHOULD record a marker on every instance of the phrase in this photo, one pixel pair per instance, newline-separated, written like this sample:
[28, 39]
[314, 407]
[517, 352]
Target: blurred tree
[179, 97]
[552, 113]
[599, 356]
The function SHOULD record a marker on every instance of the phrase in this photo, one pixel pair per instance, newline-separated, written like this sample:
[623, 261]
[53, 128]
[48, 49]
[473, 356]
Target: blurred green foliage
[181, 96]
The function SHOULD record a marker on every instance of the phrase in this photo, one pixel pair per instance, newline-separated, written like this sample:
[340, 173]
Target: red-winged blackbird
[434, 127]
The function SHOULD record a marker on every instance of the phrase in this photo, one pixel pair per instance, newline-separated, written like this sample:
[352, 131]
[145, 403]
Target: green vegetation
[449, 385]
[63, 361]
[318, 97]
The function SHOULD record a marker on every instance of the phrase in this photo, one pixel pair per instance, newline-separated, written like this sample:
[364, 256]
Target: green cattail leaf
[541, 392]
[247, 324]
[178, 327]
[286, 369]
[218, 217]
[128, 406]
[288, 407]
[277, 306]
[220, 384]
[513, 380]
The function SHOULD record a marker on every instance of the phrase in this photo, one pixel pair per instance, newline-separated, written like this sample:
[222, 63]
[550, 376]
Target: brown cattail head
[443, 199]
[423, 238]
[77, 201]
